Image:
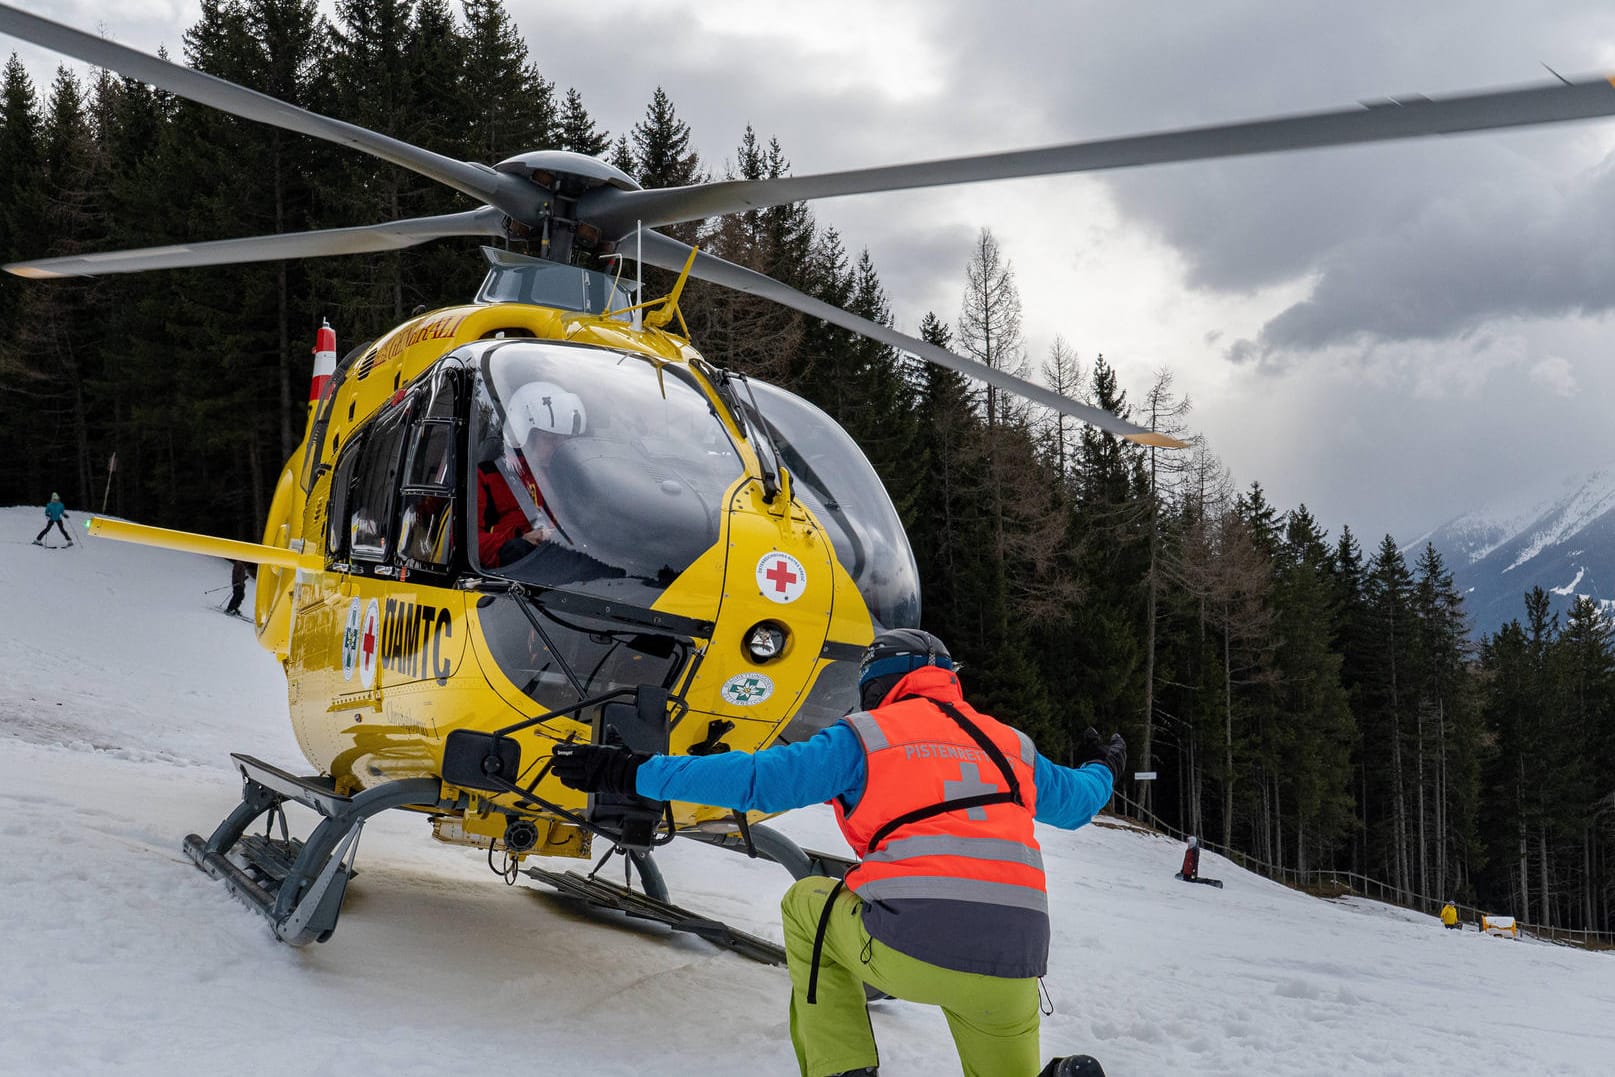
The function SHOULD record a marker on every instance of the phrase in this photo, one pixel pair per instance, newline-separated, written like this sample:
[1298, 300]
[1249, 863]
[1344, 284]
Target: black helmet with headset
[894, 654]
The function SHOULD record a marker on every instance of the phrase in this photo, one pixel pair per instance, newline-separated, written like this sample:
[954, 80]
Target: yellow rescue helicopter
[543, 516]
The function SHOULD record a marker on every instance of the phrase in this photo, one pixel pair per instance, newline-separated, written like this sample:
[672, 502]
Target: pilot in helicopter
[512, 516]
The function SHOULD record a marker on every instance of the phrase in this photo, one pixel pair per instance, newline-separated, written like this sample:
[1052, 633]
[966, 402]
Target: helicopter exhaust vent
[324, 362]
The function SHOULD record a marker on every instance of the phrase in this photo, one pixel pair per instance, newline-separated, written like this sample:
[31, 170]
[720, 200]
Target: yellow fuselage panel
[376, 665]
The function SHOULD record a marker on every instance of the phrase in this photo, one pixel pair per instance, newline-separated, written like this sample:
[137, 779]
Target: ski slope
[122, 694]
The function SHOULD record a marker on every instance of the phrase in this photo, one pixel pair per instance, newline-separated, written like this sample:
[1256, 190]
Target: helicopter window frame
[438, 427]
[340, 499]
[377, 474]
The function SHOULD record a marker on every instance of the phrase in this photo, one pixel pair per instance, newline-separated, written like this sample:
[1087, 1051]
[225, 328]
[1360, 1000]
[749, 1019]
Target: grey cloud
[1522, 248]
[1357, 218]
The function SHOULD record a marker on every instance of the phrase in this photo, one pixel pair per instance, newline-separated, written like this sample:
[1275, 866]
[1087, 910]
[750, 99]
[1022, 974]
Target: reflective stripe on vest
[951, 888]
[973, 848]
[868, 731]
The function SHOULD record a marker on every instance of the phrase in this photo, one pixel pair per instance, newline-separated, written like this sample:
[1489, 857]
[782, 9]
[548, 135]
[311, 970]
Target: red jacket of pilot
[499, 517]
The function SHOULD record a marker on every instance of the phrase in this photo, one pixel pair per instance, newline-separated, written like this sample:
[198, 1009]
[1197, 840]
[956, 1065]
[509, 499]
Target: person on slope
[948, 905]
[1191, 861]
[239, 571]
[55, 513]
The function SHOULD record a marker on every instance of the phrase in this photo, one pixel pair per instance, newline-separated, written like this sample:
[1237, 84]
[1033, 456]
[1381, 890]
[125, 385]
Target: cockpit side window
[336, 527]
[427, 501]
[370, 530]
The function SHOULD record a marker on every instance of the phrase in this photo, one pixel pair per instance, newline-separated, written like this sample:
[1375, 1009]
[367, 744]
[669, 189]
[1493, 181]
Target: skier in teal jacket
[55, 513]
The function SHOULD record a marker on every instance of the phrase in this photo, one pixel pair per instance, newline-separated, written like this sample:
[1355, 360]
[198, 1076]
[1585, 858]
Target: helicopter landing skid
[297, 885]
[597, 893]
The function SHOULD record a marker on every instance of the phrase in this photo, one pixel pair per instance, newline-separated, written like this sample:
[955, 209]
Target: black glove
[1112, 753]
[595, 768]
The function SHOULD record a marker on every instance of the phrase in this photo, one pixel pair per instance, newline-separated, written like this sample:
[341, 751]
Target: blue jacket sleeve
[1068, 797]
[828, 765]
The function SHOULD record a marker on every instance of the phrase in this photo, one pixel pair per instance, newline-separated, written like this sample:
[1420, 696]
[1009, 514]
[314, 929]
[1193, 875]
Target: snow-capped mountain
[1560, 538]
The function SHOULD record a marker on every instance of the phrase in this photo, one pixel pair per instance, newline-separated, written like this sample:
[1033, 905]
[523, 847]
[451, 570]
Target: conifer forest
[1312, 700]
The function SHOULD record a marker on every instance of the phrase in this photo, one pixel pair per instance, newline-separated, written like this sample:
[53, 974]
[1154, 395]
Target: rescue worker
[948, 905]
[55, 513]
[513, 519]
[1449, 917]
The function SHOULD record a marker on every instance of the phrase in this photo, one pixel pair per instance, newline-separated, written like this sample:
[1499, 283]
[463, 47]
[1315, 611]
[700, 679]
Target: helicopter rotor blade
[668, 253]
[364, 239]
[616, 211]
[515, 196]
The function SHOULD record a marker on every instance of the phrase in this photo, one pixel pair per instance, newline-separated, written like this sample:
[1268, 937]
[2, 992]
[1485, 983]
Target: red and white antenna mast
[324, 362]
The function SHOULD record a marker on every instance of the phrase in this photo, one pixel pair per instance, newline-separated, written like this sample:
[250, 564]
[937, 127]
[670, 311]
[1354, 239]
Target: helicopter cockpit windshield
[596, 470]
[834, 478]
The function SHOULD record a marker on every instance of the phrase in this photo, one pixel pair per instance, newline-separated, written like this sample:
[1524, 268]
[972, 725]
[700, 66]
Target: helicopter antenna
[668, 308]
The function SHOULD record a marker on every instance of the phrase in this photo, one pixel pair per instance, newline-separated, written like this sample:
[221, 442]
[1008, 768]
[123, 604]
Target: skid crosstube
[600, 894]
[297, 885]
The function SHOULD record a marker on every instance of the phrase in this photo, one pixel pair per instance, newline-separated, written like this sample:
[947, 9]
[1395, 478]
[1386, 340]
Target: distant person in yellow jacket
[1449, 917]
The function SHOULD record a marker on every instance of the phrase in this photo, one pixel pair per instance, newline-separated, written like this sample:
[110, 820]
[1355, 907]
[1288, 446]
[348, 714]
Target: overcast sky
[1391, 334]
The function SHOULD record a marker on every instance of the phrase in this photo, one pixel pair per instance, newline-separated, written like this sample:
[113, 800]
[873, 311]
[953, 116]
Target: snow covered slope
[122, 694]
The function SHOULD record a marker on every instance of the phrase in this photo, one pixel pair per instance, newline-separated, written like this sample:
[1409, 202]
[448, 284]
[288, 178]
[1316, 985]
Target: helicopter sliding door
[381, 634]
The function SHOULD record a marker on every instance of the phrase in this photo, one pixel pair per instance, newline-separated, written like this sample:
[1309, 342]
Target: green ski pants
[994, 1020]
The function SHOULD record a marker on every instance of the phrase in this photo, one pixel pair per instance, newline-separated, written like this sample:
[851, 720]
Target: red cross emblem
[781, 577]
[367, 644]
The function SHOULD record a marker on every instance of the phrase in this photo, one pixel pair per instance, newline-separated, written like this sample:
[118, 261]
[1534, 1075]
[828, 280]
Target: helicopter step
[600, 894]
[298, 885]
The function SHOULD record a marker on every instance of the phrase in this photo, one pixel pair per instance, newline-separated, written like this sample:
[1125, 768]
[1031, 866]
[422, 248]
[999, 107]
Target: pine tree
[22, 228]
[577, 131]
[749, 333]
[947, 530]
[60, 330]
[663, 157]
[512, 105]
[1585, 791]
[1308, 741]
[1386, 704]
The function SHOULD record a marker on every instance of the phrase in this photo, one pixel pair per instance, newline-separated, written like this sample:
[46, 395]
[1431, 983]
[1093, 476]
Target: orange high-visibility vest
[963, 888]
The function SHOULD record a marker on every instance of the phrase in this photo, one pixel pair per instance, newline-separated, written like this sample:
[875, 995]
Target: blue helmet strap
[902, 663]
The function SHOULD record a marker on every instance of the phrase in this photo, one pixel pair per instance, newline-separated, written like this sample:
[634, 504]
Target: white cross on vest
[969, 785]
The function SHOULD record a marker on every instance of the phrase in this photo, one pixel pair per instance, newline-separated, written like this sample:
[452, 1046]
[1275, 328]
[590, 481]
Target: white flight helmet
[543, 405]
